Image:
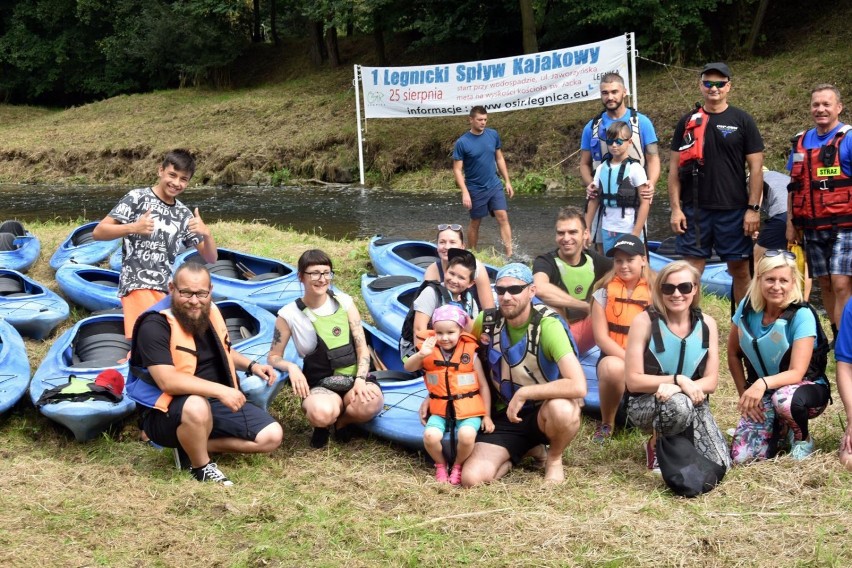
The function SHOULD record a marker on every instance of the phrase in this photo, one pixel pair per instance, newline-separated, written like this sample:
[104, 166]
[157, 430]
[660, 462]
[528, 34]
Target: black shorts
[516, 438]
[245, 424]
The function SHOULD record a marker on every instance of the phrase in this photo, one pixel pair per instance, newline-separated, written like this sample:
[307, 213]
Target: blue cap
[516, 270]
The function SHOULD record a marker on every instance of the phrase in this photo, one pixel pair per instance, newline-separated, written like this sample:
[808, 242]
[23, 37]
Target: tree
[528, 26]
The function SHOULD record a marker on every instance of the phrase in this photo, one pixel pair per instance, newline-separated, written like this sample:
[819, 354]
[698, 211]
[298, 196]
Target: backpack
[407, 346]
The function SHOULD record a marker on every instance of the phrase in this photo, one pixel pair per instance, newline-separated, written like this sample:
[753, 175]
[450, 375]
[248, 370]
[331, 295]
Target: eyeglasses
[616, 141]
[717, 84]
[200, 294]
[513, 290]
[782, 252]
[317, 275]
[684, 288]
[453, 227]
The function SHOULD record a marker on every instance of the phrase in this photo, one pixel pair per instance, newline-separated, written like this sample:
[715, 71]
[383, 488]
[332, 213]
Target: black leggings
[808, 401]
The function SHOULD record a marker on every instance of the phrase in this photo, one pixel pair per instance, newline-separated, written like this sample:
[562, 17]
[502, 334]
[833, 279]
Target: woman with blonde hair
[777, 354]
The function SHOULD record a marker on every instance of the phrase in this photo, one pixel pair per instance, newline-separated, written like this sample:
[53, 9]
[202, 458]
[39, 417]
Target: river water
[332, 212]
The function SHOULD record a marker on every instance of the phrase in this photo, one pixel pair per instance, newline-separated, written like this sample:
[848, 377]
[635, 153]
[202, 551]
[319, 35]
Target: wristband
[674, 379]
[765, 383]
[248, 369]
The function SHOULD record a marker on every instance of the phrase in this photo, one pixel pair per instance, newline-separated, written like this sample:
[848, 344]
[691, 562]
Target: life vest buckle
[823, 185]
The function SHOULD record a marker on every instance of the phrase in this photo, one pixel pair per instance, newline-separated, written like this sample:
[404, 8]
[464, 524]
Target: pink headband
[452, 313]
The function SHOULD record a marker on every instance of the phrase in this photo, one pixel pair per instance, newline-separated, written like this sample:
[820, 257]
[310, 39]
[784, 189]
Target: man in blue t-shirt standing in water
[477, 158]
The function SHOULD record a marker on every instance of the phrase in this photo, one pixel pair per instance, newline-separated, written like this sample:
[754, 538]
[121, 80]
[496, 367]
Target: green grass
[117, 502]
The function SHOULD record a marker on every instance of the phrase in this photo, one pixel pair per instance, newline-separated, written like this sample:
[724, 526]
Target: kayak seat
[14, 227]
[83, 237]
[10, 284]
[112, 346]
[383, 241]
[423, 261]
[387, 282]
[7, 241]
[265, 276]
[240, 329]
[107, 283]
[225, 269]
[407, 298]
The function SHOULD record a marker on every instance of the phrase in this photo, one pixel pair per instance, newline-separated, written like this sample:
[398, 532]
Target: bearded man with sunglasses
[183, 371]
[538, 382]
[713, 208]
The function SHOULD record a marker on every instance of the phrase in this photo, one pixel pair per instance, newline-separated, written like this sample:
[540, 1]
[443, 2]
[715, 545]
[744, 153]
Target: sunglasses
[684, 288]
[453, 227]
[513, 290]
[616, 141]
[717, 84]
[782, 252]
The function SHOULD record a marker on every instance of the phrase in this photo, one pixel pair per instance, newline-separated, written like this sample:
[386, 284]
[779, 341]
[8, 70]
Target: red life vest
[692, 146]
[620, 310]
[453, 380]
[821, 192]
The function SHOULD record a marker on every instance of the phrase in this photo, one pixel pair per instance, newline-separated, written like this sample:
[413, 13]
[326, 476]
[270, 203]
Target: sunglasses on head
[453, 227]
[683, 288]
[782, 252]
[513, 290]
[616, 141]
[717, 84]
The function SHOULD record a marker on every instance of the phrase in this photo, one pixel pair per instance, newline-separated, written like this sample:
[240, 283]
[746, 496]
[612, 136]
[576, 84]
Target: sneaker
[651, 458]
[182, 461]
[455, 475]
[319, 439]
[344, 435]
[802, 449]
[602, 433]
[441, 473]
[210, 472]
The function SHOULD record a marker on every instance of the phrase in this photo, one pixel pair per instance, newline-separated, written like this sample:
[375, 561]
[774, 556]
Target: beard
[511, 312]
[191, 324]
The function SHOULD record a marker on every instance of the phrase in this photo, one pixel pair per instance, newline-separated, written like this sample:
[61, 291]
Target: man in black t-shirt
[712, 207]
[191, 389]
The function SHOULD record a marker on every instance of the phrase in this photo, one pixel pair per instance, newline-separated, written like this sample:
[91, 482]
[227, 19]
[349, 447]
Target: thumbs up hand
[197, 225]
[144, 225]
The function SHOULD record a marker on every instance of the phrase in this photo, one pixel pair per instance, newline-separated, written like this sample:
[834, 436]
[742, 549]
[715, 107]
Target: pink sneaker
[651, 457]
[455, 475]
[441, 473]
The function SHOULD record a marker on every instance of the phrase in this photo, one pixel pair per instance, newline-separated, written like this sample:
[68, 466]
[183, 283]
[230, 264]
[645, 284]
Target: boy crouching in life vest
[619, 178]
[459, 399]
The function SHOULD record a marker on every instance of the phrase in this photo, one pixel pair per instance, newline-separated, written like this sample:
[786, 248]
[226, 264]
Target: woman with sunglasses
[326, 327]
[672, 365]
[777, 354]
[452, 236]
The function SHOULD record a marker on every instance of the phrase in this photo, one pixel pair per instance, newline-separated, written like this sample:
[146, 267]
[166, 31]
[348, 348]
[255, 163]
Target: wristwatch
[754, 207]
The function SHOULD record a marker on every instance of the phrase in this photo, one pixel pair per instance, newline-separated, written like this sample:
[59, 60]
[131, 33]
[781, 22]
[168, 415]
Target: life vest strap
[454, 396]
[618, 328]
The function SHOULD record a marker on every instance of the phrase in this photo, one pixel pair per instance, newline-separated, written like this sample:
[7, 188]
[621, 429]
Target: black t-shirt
[152, 348]
[730, 136]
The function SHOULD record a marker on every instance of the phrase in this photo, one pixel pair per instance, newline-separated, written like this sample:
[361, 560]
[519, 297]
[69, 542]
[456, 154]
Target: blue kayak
[715, 280]
[30, 307]
[264, 282]
[406, 257]
[14, 367]
[115, 259]
[388, 300]
[89, 287]
[81, 247]
[91, 346]
[19, 249]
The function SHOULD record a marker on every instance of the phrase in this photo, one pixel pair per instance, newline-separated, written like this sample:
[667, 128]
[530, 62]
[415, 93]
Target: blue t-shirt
[802, 325]
[813, 140]
[478, 156]
[843, 346]
[647, 134]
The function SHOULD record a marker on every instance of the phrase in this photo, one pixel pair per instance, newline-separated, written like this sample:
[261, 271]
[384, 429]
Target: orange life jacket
[821, 192]
[692, 146]
[453, 379]
[620, 310]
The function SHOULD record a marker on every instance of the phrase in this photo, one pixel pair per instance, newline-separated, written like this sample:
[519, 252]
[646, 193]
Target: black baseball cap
[718, 66]
[629, 244]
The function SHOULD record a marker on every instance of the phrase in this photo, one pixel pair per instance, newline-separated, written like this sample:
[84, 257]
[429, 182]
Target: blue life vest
[770, 353]
[619, 194]
[668, 354]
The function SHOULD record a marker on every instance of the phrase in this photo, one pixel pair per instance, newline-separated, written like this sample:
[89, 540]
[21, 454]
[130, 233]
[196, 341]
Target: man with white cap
[537, 379]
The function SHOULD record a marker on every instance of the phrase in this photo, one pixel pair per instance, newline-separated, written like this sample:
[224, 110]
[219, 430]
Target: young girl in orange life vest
[459, 399]
[620, 295]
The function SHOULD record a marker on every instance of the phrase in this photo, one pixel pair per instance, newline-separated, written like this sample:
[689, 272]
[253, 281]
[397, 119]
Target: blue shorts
[720, 230]
[609, 238]
[829, 252]
[440, 423]
[773, 235]
[488, 201]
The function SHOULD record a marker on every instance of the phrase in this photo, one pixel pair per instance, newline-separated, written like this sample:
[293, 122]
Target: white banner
[555, 77]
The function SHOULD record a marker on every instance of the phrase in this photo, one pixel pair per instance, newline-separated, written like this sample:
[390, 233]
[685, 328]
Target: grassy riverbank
[117, 502]
[284, 119]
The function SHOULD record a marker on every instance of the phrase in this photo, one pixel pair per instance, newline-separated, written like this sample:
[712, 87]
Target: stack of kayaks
[19, 248]
[91, 346]
[30, 307]
[14, 367]
[81, 247]
[89, 287]
[261, 281]
[388, 299]
[405, 257]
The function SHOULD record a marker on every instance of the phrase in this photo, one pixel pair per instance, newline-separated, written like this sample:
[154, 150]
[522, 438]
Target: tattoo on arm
[276, 337]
